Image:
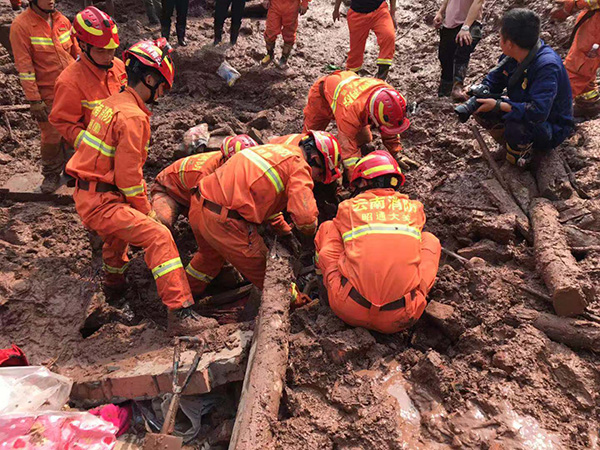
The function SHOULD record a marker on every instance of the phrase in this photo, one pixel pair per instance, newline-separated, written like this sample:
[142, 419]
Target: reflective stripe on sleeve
[381, 228]
[27, 76]
[267, 169]
[65, 37]
[166, 267]
[90, 104]
[133, 190]
[78, 139]
[198, 275]
[184, 163]
[94, 142]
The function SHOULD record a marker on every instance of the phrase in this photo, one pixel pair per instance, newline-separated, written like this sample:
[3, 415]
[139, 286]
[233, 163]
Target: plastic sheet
[228, 73]
[32, 389]
[56, 430]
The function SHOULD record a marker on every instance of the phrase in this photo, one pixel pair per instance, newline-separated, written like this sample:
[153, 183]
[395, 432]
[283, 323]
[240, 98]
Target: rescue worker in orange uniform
[583, 61]
[364, 16]
[356, 104]
[94, 77]
[172, 189]
[282, 18]
[377, 263]
[43, 47]
[110, 196]
[255, 186]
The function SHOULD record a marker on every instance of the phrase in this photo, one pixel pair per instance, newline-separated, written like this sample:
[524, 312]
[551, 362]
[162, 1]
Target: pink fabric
[456, 13]
[119, 416]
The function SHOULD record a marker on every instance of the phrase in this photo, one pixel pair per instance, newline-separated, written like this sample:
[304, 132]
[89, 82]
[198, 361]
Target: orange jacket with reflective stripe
[41, 53]
[348, 96]
[114, 147]
[260, 182]
[79, 89]
[381, 233]
[288, 139]
[185, 173]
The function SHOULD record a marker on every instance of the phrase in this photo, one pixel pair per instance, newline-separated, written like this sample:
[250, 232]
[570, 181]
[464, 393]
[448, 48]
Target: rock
[22, 287]
[499, 228]
[246, 30]
[260, 121]
[18, 233]
[486, 249]
[476, 262]
[415, 69]
[5, 158]
[443, 316]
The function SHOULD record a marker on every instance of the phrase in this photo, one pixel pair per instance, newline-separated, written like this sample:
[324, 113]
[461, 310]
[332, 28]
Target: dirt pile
[478, 379]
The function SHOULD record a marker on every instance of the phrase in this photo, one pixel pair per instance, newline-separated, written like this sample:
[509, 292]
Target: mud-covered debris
[488, 250]
[348, 343]
[500, 228]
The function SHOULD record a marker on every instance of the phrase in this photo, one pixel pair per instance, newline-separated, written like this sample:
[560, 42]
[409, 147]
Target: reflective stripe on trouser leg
[119, 224]
[384, 30]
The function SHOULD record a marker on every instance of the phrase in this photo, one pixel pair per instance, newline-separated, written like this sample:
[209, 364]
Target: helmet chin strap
[89, 55]
[153, 89]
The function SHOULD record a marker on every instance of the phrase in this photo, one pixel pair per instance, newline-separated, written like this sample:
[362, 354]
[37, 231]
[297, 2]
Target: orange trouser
[282, 17]
[582, 69]
[357, 315]
[317, 112]
[119, 225]
[167, 209]
[359, 25]
[219, 239]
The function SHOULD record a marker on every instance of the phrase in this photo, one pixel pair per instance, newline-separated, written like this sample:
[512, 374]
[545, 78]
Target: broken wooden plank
[506, 204]
[267, 362]
[25, 187]
[148, 375]
[224, 297]
[577, 334]
[12, 108]
[555, 262]
[551, 177]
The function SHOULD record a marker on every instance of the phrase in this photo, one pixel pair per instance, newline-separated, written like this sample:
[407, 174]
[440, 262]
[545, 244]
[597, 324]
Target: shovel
[164, 440]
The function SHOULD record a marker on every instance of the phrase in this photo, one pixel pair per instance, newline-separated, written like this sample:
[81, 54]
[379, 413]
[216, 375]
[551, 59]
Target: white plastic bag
[228, 73]
[31, 389]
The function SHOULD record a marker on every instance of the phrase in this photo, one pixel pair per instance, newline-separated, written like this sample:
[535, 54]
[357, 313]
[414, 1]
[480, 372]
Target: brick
[150, 375]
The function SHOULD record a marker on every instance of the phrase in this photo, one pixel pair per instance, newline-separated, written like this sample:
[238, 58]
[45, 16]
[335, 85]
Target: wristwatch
[465, 28]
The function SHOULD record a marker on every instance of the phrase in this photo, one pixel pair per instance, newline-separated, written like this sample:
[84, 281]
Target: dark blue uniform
[542, 104]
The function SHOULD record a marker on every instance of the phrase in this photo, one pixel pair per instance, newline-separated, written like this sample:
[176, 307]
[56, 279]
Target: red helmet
[234, 144]
[96, 28]
[329, 147]
[387, 109]
[155, 54]
[376, 164]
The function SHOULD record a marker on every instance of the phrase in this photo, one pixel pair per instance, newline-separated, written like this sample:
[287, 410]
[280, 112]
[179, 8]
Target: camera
[465, 110]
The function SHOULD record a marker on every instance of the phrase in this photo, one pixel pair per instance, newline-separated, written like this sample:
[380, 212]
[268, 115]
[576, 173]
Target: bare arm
[474, 12]
[336, 10]
[439, 17]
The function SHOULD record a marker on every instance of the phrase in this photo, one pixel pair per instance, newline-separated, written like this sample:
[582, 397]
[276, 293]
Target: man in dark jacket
[538, 113]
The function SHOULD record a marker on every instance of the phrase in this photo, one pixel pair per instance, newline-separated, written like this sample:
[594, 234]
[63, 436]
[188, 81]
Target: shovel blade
[162, 442]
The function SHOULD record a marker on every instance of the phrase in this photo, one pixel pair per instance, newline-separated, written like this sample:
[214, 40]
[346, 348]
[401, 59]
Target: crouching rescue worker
[110, 195]
[282, 18]
[172, 189]
[538, 113]
[43, 47]
[255, 186]
[95, 76]
[583, 60]
[377, 263]
[356, 104]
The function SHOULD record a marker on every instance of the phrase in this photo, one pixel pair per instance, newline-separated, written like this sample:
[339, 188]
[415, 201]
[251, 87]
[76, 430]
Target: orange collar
[138, 99]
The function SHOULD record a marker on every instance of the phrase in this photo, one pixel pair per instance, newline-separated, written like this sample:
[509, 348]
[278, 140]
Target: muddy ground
[481, 381]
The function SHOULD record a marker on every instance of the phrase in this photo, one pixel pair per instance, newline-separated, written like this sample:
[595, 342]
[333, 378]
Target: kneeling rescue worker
[110, 195]
[356, 104]
[377, 263]
[255, 186]
[172, 189]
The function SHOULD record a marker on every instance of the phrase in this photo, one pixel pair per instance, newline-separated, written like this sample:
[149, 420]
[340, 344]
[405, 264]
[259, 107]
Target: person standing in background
[168, 7]
[221, 10]
[460, 31]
